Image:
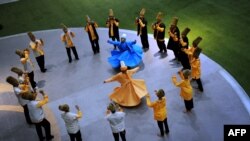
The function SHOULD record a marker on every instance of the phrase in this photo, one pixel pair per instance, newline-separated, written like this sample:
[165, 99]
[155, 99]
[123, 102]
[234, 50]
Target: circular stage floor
[81, 82]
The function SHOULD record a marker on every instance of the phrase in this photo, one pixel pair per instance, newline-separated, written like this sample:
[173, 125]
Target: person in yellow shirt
[90, 28]
[190, 51]
[196, 68]
[28, 68]
[37, 47]
[160, 110]
[186, 89]
[66, 37]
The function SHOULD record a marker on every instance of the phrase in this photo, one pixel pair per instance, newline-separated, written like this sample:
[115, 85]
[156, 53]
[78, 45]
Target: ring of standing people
[126, 56]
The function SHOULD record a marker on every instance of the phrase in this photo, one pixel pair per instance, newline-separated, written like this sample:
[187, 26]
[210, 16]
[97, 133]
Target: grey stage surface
[81, 82]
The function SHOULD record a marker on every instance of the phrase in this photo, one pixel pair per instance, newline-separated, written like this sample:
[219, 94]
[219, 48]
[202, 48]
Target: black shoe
[201, 90]
[77, 58]
[42, 139]
[70, 61]
[44, 70]
[160, 135]
[50, 138]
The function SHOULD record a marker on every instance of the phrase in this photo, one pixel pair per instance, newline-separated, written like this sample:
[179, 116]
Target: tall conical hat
[175, 21]
[142, 12]
[123, 66]
[160, 93]
[64, 26]
[197, 41]
[124, 36]
[16, 70]
[186, 73]
[197, 52]
[20, 53]
[30, 34]
[64, 107]
[185, 31]
[159, 15]
[13, 81]
[111, 13]
[88, 18]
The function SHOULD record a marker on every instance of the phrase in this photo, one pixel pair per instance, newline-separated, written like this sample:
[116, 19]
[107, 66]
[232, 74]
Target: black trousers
[74, 52]
[26, 114]
[184, 60]
[76, 137]
[162, 46]
[113, 39]
[198, 81]
[144, 41]
[46, 125]
[95, 46]
[31, 78]
[41, 62]
[122, 134]
[189, 104]
[165, 123]
[176, 50]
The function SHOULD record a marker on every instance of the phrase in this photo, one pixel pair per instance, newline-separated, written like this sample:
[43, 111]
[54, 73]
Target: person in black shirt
[141, 23]
[113, 25]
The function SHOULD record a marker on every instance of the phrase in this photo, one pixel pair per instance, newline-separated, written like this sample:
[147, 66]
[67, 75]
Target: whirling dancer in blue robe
[128, 52]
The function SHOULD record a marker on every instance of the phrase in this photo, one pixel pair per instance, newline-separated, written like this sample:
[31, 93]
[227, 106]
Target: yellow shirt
[190, 52]
[91, 30]
[195, 68]
[43, 102]
[67, 38]
[159, 107]
[186, 88]
[37, 47]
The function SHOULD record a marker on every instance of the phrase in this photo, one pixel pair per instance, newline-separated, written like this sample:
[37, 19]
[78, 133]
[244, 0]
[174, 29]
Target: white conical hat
[124, 36]
[123, 66]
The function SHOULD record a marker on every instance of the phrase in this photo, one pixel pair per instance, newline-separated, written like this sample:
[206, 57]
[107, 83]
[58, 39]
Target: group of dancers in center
[126, 56]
